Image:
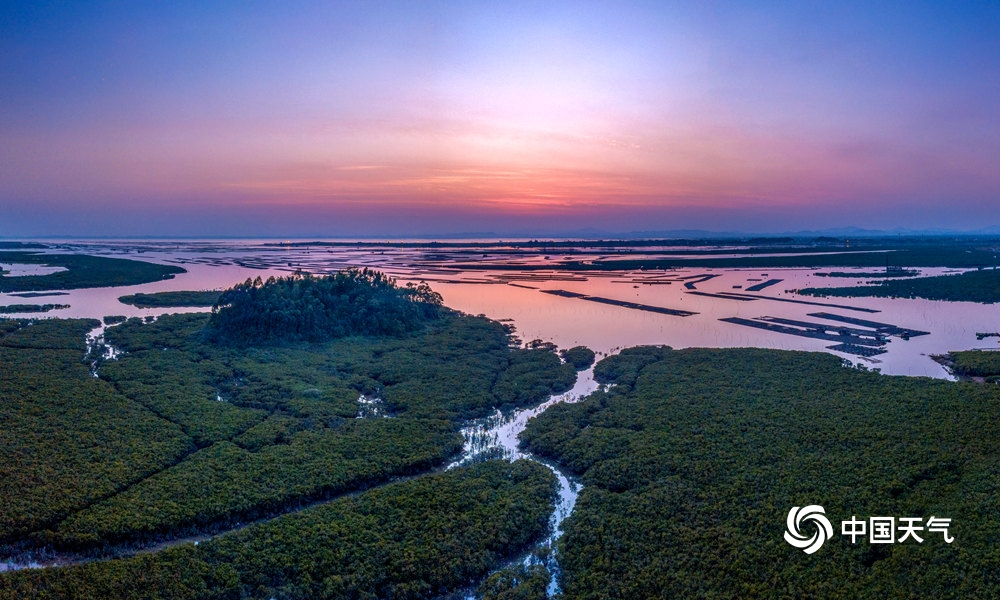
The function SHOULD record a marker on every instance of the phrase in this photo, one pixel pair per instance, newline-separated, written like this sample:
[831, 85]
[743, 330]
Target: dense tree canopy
[67, 439]
[580, 357]
[303, 307]
[973, 286]
[693, 458]
[418, 539]
[519, 582]
[977, 363]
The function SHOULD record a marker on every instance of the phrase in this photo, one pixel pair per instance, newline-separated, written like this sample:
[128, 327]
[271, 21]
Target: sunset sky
[300, 119]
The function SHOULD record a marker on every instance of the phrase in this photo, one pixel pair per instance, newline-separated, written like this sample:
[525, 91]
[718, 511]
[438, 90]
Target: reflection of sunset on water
[506, 293]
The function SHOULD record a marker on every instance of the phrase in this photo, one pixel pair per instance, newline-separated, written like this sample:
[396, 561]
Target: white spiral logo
[794, 535]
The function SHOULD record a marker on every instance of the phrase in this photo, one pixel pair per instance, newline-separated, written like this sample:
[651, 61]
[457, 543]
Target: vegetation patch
[82, 271]
[870, 274]
[974, 286]
[172, 299]
[580, 357]
[303, 307]
[692, 460]
[423, 538]
[30, 308]
[976, 363]
[516, 583]
[67, 439]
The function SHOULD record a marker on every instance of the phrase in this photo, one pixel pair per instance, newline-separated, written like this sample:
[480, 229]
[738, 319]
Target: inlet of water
[98, 350]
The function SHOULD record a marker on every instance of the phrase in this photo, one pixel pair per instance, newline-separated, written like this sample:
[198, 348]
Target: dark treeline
[30, 308]
[303, 307]
[171, 299]
[5, 244]
[693, 458]
[973, 286]
[944, 256]
[871, 274]
[500, 246]
[779, 244]
[970, 252]
[82, 271]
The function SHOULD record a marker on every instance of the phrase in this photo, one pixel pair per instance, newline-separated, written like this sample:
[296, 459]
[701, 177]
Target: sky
[423, 118]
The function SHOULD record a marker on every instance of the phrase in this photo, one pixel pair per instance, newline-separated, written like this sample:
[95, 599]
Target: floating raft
[697, 279]
[883, 328]
[865, 351]
[815, 330]
[739, 296]
[834, 329]
[624, 304]
[852, 340]
[760, 286]
[726, 295]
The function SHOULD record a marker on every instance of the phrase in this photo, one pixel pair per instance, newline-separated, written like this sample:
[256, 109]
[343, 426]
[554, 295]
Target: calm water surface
[518, 296]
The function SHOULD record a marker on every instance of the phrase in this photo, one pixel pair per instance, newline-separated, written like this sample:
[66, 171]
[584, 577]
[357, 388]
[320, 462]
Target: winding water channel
[495, 436]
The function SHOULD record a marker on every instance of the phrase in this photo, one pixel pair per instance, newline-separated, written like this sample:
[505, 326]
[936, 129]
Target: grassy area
[973, 286]
[423, 538]
[692, 461]
[83, 271]
[171, 299]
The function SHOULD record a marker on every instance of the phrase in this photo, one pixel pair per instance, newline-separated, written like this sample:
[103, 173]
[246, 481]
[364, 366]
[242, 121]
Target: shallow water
[567, 321]
[371, 407]
[496, 437]
[27, 270]
[17, 566]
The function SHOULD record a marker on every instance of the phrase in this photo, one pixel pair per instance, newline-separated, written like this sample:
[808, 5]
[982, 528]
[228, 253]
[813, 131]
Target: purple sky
[429, 118]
